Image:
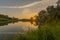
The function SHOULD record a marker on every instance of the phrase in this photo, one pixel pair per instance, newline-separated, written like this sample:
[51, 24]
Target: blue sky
[23, 8]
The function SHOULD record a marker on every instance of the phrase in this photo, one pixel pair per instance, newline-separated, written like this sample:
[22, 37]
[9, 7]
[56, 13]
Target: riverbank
[49, 31]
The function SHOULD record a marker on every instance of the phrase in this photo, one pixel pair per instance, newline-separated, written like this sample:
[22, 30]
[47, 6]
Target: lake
[10, 30]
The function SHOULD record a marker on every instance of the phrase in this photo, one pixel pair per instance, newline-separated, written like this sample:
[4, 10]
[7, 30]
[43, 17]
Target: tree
[50, 9]
[42, 16]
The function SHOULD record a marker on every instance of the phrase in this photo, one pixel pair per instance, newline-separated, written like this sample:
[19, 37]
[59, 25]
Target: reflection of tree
[34, 23]
[3, 23]
[34, 20]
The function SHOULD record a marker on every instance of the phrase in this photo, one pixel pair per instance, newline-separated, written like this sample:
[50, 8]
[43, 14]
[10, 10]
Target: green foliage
[49, 31]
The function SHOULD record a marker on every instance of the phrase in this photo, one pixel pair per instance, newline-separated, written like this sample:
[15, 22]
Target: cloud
[24, 6]
[42, 2]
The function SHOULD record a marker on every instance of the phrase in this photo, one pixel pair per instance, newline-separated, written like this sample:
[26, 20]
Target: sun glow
[28, 16]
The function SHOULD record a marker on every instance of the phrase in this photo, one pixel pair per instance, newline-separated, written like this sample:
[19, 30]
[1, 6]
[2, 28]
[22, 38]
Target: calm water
[10, 30]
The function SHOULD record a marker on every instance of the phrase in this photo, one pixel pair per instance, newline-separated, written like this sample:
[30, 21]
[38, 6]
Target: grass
[49, 31]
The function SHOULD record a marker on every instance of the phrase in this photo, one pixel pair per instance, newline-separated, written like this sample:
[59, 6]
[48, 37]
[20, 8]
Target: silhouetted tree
[42, 15]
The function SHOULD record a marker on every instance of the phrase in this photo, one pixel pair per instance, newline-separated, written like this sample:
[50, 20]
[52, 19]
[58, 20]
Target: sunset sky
[23, 8]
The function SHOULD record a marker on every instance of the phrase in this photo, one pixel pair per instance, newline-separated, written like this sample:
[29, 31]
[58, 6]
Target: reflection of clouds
[27, 26]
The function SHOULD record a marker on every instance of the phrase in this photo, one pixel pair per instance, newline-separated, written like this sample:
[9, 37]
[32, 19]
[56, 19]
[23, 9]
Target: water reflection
[17, 27]
[10, 29]
[6, 23]
[34, 23]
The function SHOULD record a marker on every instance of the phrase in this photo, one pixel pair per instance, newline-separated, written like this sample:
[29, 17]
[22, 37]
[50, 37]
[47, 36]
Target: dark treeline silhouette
[6, 18]
[25, 20]
[51, 13]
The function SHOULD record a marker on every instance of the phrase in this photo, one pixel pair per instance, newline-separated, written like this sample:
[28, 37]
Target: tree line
[51, 13]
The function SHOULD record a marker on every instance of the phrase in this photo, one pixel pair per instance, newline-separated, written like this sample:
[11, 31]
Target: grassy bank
[49, 31]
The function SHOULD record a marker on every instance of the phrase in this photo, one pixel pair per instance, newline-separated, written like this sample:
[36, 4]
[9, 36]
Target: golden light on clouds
[28, 13]
[28, 16]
